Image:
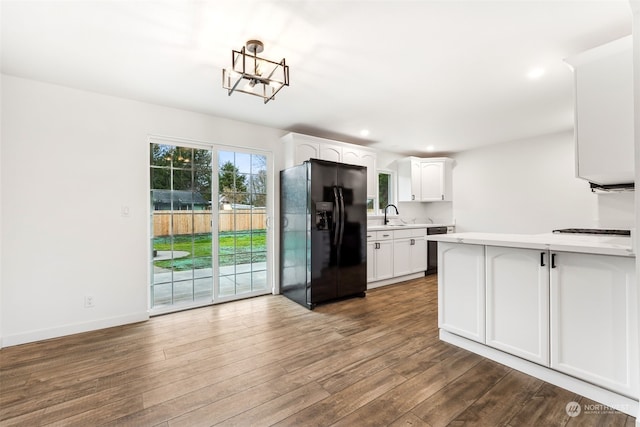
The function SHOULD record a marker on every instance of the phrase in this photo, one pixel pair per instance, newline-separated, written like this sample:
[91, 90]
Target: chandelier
[253, 75]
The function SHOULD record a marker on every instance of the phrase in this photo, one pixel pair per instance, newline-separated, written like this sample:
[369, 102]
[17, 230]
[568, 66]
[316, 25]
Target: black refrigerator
[323, 229]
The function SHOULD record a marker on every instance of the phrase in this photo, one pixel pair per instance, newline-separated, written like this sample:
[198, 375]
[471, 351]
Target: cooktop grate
[598, 231]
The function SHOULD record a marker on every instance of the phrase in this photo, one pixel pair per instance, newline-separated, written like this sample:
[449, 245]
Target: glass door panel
[242, 233]
[180, 225]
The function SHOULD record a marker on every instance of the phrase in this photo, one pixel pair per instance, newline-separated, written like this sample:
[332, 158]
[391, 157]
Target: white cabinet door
[594, 334]
[354, 156]
[384, 259]
[332, 153]
[409, 251]
[304, 151]
[379, 255]
[369, 160]
[371, 261]
[517, 292]
[461, 290]
[604, 112]
[416, 180]
[402, 257]
[419, 254]
[431, 181]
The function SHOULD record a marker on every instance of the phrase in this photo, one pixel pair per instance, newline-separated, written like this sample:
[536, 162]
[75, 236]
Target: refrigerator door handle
[336, 213]
[342, 216]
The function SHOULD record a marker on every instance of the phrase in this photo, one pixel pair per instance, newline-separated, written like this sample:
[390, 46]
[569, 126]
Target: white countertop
[404, 226]
[605, 245]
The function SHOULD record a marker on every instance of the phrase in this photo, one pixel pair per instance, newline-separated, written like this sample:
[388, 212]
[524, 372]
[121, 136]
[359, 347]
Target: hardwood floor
[374, 361]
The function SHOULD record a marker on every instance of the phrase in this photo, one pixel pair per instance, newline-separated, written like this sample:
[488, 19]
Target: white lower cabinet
[379, 255]
[409, 251]
[517, 295]
[461, 289]
[594, 320]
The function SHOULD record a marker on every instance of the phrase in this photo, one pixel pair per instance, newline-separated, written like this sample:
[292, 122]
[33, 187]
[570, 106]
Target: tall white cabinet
[424, 179]
[517, 292]
[594, 325]
[299, 148]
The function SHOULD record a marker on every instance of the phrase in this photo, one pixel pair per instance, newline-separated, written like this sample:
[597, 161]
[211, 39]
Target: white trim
[196, 143]
[76, 328]
[392, 280]
[394, 193]
[614, 400]
[162, 310]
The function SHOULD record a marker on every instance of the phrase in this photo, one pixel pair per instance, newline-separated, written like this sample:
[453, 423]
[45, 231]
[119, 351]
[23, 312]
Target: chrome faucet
[386, 221]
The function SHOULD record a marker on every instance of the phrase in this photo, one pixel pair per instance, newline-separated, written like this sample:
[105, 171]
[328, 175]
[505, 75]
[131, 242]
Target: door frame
[215, 147]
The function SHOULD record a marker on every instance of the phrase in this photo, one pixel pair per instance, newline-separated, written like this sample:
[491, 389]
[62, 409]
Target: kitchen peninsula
[558, 307]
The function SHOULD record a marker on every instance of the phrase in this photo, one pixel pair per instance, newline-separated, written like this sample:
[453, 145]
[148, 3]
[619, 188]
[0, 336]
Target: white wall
[70, 160]
[529, 186]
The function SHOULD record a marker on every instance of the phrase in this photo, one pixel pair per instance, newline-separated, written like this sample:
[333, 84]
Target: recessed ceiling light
[364, 132]
[431, 148]
[535, 73]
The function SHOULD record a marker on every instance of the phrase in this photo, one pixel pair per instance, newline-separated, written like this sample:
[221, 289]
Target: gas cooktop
[597, 231]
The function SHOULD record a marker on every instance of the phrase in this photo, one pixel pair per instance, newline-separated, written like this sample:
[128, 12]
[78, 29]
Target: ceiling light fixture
[263, 77]
[364, 132]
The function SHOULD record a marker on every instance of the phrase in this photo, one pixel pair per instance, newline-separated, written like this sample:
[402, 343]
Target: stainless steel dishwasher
[432, 249]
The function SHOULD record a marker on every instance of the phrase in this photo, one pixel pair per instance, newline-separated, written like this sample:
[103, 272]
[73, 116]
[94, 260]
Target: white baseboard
[614, 400]
[391, 281]
[76, 328]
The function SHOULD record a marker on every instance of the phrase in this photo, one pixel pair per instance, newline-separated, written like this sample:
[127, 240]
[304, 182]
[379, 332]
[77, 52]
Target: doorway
[209, 217]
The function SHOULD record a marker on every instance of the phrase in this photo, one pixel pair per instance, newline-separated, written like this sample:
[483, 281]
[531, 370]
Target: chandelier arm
[254, 47]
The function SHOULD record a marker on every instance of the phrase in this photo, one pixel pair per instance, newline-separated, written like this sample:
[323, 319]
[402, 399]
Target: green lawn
[234, 248]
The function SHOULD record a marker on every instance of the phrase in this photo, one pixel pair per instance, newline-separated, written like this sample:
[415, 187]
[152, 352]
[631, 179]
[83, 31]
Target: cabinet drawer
[409, 233]
[381, 235]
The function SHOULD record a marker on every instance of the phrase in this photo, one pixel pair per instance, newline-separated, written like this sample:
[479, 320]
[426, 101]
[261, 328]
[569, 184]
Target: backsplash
[616, 210]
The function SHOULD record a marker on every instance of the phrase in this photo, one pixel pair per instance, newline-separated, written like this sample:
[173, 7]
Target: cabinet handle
[413, 197]
[443, 197]
[413, 242]
[553, 260]
[377, 245]
[542, 264]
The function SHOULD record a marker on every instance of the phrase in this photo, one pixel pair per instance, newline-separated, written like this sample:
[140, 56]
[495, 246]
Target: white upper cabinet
[358, 156]
[299, 148]
[603, 79]
[424, 179]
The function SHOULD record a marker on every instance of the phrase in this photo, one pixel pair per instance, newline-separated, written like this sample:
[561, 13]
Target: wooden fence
[187, 222]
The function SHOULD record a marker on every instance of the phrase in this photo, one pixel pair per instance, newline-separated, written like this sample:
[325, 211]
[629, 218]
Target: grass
[233, 248]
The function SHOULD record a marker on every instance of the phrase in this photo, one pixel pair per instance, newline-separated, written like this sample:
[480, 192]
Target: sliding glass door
[209, 234]
[242, 223]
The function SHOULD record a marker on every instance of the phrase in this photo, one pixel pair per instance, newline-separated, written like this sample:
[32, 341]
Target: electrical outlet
[88, 301]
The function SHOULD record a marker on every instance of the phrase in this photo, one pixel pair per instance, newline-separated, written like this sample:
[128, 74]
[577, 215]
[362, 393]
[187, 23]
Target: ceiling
[424, 77]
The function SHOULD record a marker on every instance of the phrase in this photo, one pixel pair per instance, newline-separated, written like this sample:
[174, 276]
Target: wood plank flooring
[374, 361]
